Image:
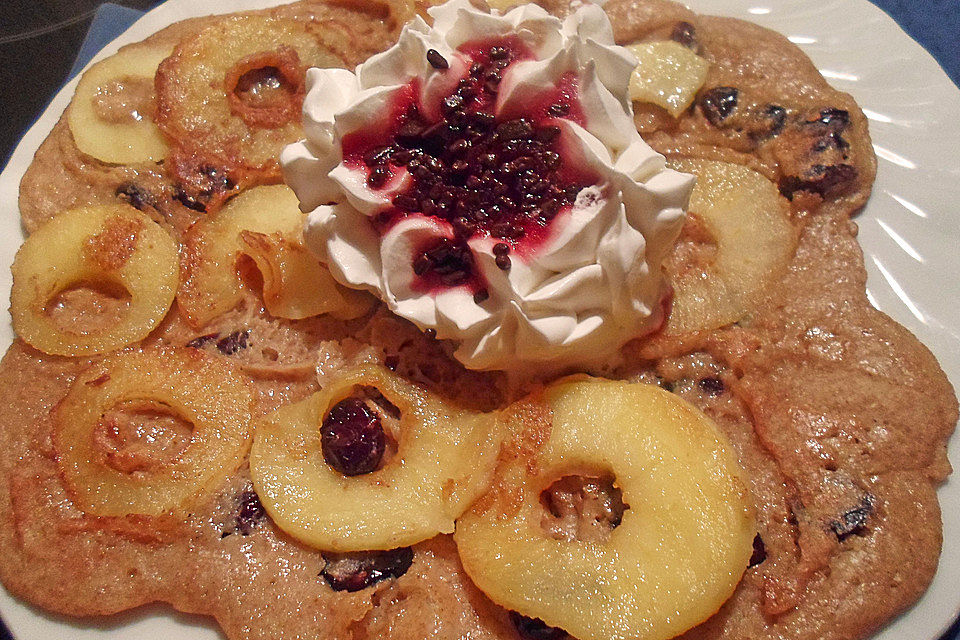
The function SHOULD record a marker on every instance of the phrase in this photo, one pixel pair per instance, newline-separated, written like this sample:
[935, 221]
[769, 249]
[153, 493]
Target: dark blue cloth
[109, 21]
[935, 24]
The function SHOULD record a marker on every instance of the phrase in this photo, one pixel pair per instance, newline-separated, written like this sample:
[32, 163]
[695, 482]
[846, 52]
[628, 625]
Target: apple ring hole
[250, 274]
[583, 507]
[139, 437]
[88, 307]
[360, 434]
[266, 89]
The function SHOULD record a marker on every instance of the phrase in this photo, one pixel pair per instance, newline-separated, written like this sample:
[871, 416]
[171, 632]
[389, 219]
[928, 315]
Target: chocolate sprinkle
[436, 60]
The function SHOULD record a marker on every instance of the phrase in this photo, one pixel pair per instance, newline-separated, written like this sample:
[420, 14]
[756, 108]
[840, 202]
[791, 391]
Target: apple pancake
[837, 415]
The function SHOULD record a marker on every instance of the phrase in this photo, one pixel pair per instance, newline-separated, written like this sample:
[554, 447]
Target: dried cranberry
[391, 362]
[356, 571]
[535, 628]
[711, 386]
[201, 341]
[202, 184]
[759, 551]
[836, 119]
[685, 33]
[853, 521]
[233, 342]
[250, 512]
[352, 438]
[718, 103]
[776, 117]
[189, 201]
[135, 196]
[826, 180]
[829, 125]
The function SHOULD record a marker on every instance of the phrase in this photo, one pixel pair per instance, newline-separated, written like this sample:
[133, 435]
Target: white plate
[909, 231]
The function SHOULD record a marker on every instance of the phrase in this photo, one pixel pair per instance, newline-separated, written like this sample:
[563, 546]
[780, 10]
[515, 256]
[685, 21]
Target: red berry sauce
[484, 176]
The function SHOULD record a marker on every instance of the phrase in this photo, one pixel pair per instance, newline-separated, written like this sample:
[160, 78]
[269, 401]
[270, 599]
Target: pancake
[839, 416]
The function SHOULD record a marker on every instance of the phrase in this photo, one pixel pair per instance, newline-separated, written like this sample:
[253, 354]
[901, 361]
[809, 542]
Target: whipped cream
[592, 283]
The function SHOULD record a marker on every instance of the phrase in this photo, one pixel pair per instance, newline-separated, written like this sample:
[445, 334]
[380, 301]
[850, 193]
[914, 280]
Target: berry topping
[445, 261]
[413, 174]
[352, 438]
[485, 177]
[356, 571]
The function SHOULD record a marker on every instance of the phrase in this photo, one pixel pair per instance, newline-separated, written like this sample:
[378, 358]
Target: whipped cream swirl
[592, 283]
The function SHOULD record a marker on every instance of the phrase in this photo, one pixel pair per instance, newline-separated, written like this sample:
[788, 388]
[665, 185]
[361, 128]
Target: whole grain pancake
[839, 416]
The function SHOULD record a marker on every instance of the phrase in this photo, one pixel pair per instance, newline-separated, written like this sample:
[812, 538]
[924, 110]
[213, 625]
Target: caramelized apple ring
[200, 389]
[443, 461]
[681, 546]
[289, 74]
[113, 245]
[738, 240]
[111, 115]
[263, 223]
[201, 85]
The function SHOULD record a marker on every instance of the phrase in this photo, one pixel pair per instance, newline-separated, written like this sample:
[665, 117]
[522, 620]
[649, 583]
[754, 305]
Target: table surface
[43, 42]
